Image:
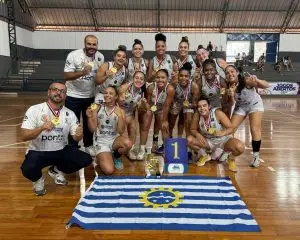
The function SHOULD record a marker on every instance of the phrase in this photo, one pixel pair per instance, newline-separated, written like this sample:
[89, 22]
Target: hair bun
[187, 66]
[160, 37]
[122, 48]
[137, 41]
[200, 47]
[185, 39]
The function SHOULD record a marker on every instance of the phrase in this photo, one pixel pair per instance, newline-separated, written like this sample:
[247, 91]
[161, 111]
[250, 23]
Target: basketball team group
[106, 104]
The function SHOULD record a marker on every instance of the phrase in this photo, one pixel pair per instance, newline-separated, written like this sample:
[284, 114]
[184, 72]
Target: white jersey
[220, 71]
[117, 80]
[166, 63]
[213, 123]
[107, 125]
[132, 68]
[212, 93]
[159, 98]
[83, 87]
[247, 97]
[183, 94]
[131, 100]
[191, 61]
[57, 138]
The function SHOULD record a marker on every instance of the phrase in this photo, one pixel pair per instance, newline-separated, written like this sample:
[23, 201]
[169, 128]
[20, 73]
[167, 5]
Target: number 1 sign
[176, 155]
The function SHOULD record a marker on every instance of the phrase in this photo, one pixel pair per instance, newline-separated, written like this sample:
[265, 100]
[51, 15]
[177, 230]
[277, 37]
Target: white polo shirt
[83, 87]
[57, 138]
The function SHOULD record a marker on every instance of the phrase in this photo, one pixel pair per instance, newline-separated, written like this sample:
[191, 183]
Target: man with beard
[46, 126]
[80, 71]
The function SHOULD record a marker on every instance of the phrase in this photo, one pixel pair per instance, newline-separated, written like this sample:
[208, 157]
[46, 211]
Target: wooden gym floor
[271, 192]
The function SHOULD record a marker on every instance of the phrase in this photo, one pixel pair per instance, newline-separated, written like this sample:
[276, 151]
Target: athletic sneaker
[57, 176]
[118, 163]
[91, 150]
[39, 187]
[255, 160]
[161, 149]
[132, 154]
[231, 165]
[154, 147]
[202, 160]
[141, 154]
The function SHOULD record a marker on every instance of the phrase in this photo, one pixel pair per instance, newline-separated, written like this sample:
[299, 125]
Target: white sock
[143, 148]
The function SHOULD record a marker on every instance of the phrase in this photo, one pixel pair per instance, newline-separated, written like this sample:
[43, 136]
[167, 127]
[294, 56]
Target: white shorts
[244, 110]
[219, 142]
[104, 144]
[177, 107]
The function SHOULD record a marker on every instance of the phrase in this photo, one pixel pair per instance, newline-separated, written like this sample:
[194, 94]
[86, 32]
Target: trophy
[154, 165]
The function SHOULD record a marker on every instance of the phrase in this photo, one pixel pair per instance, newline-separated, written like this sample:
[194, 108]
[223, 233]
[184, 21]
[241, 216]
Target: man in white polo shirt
[47, 126]
[80, 71]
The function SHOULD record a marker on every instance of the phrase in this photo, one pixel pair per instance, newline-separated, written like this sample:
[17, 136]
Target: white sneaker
[91, 150]
[255, 160]
[39, 187]
[141, 155]
[132, 154]
[57, 176]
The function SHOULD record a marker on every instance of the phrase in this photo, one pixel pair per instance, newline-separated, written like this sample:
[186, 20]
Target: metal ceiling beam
[152, 9]
[158, 15]
[24, 6]
[290, 13]
[92, 9]
[224, 14]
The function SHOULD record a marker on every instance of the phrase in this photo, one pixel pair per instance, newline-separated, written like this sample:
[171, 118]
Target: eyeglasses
[58, 90]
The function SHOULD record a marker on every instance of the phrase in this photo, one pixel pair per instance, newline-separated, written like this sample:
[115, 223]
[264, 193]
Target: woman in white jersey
[111, 73]
[184, 57]
[107, 122]
[211, 129]
[162, 60]
[185, 100]
[130, 96]
[160, 96]
[202, 54]
[242, 91]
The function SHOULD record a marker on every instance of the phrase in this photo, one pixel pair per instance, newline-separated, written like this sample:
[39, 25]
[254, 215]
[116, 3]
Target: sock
[256, 146]
[133, 146]
[116, 154]
[143, 148]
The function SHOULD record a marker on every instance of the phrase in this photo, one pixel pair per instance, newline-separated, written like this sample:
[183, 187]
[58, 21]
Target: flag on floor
[168, 203]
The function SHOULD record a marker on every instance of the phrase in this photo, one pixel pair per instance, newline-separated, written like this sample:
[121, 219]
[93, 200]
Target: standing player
[162, 60]
[160, 96]
[107, 122]
[130, 95]
[242, 91]
[111, 73]
[47, 127]
[210, 130]
[80, 71]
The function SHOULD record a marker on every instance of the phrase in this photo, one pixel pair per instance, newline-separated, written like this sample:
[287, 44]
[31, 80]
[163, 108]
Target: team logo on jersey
[25, 118]
[67, 113]
[107, 121]
[99, 59]
[56, 138]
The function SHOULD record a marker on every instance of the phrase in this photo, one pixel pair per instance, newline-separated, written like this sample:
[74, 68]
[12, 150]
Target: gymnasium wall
[289, 46]
[4, 49]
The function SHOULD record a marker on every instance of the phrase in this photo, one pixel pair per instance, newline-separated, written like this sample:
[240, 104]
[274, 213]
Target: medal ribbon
[55, 113]
[186, 92]
[108, 114]
[132, 92]
[180, 63]
[160, 62]
[207, 123]
[157, 96]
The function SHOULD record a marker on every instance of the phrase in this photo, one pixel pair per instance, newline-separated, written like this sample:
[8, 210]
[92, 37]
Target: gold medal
[153, 108]
[222, 91]
[211, 131]
[91, 64]
[55, 121]
[127, 94]
[94, 106]
[186, 103]
[114, 70]
[156, 69]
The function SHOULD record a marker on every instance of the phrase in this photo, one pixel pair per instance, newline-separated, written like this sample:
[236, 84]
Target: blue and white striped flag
[167, 203]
